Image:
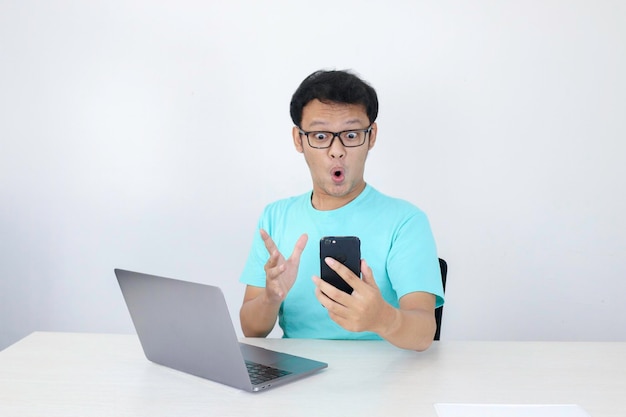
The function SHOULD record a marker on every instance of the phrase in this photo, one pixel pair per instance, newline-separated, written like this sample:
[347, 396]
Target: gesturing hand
[281, 273]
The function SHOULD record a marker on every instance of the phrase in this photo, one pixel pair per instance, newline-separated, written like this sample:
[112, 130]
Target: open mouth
[337, 175]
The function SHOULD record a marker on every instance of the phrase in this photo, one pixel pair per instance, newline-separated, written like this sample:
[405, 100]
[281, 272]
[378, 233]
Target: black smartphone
[344, 249]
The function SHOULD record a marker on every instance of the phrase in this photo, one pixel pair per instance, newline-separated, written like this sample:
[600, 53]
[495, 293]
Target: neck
[324, 201]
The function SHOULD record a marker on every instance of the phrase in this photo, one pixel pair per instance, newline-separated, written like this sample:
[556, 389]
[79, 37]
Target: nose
[336, 149]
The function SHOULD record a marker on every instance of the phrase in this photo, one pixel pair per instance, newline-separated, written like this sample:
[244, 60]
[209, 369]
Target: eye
[351, 135]
[320, 136]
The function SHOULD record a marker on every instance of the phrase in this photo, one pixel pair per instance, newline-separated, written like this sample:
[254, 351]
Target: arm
[412, 326]
[260, 306]
[258, 313]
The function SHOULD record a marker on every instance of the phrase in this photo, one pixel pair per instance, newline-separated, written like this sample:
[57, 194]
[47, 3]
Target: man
[334, 113]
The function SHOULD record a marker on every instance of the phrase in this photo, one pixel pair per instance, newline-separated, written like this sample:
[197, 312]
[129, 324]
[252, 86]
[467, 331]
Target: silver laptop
[186, 326]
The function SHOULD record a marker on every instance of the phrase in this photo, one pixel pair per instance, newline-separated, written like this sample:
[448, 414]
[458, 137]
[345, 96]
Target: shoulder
[286, 205]
[395, 205]
[288, 202]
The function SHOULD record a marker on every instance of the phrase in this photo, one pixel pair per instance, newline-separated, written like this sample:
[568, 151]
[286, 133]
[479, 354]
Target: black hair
[334, 87]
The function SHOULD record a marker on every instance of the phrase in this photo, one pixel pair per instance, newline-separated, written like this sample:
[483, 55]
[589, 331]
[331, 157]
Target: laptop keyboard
[262, 373]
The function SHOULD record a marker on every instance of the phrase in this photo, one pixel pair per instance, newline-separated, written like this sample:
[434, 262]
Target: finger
[272, 262]
[299, 248]
[269, 243]
[343, 271]
[273, 267]
[333, 294]
[319, 294]
[336, 311]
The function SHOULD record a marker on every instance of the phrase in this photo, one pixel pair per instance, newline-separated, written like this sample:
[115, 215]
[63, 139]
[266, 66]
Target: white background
[149, 135]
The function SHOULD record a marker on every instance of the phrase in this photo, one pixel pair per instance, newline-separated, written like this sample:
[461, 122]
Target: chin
[340, 191]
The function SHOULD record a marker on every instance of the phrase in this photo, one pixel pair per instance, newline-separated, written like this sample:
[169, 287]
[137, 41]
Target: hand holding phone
[344, 249]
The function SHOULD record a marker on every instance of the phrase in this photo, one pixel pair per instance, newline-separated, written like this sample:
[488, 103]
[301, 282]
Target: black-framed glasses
[348, 138]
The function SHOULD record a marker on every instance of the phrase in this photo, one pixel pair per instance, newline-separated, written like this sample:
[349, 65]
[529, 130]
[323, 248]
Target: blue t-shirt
[396, 242]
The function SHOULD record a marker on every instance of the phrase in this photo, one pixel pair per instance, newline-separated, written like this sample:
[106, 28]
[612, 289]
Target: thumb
[367, 275]
[299, 248]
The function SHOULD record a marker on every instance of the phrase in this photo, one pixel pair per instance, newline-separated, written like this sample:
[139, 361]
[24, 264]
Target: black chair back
[439, 311]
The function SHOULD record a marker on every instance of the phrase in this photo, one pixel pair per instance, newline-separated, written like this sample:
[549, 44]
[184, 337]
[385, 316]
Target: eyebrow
[322, 123]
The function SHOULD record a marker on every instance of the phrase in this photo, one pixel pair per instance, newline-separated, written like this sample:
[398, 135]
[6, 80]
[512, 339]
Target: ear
[373, 134]
[297, 139]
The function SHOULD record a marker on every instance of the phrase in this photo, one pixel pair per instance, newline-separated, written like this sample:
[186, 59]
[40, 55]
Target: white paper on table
[510, 410]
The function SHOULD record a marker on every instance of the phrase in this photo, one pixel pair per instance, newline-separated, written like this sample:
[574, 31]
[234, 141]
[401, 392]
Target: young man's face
[337, 172]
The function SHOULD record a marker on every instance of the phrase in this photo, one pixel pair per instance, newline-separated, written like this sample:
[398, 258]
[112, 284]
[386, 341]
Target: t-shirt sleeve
[413, 264]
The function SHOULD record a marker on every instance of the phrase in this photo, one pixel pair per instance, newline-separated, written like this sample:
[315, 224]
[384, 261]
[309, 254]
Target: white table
[72, 374]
